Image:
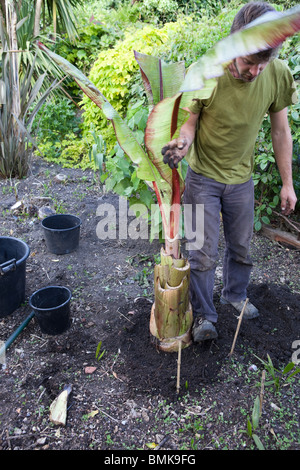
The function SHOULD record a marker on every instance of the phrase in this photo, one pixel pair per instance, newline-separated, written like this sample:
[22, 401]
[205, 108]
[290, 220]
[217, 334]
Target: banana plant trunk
[171, 316]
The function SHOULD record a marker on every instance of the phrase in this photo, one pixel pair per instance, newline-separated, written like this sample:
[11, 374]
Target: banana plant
[171, 317]
[170, 90]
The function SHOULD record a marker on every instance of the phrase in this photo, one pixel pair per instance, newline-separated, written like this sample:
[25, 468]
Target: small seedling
[279, 377]
[99, 353]
[252, 424]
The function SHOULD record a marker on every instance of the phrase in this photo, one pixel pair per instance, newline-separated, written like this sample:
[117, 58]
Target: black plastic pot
[51, 306]
[13, 256]
[61, 233]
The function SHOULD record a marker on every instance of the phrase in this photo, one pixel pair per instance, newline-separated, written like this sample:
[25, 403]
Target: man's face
[247, 68]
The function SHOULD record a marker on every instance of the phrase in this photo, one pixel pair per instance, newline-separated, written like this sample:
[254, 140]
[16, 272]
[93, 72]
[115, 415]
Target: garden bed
[127, 399]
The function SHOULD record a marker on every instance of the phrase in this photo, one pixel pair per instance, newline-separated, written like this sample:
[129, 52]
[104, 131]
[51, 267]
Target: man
[218, 142]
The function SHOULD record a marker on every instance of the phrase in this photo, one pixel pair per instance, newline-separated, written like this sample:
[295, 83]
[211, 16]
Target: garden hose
[15, 334]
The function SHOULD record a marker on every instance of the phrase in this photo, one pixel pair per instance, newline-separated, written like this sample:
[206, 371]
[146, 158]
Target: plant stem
[163, 216]
[175, 212]
[171, 230]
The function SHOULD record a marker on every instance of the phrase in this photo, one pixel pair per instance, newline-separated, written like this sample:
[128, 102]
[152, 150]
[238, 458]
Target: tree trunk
[54, 18]
[2, 8]
[37, 18]
[11, 25]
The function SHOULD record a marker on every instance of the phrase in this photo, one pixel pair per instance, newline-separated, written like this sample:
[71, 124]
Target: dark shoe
[203, 330]
[250, 311]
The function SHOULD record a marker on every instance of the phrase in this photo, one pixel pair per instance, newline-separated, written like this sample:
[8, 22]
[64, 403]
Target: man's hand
[283, 150]
[175, 151]
[288, 200]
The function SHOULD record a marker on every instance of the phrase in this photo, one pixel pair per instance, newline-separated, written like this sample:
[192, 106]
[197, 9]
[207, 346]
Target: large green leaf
[161, 79]
[126, 137]
[159, 131]
[268, 31]
[146, 170]
[165, 121]
[162, 82]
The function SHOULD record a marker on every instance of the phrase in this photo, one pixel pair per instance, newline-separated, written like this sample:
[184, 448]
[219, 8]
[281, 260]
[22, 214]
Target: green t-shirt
[230, 120]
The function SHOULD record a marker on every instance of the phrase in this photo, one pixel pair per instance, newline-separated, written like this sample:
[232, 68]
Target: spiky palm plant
[21, 98]
[170, 91]
[17, 141]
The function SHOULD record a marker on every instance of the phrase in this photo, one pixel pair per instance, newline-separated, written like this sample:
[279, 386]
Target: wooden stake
[238, 327]
[178, 367]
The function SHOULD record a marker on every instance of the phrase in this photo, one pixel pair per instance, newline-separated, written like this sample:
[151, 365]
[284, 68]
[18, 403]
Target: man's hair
[248, 13]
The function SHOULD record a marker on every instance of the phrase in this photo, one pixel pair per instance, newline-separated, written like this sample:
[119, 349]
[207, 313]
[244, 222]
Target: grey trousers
[236, 204]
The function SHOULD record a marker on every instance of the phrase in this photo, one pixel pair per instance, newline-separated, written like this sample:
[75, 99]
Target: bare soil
[127, 399]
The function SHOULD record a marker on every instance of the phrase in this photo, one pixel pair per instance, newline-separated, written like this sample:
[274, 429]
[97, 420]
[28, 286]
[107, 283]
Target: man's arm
[283, 150]
[177, 149]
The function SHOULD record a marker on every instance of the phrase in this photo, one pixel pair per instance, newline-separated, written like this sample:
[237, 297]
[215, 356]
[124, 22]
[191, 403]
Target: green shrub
[158, 11]
[191, 36]
[210, 7]
[55, 119]
[58, 132]
[93, 37]
[75, 152]
[114, 74]
[121, 178]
